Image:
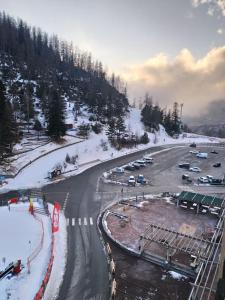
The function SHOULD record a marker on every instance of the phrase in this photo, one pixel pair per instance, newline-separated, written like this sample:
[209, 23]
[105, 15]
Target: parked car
[216, 181]
[140, 162]
[203, 179]
[187, 178]
[54, 172]
[129, 167]
[141, 179]
[210, 177]
[217, 165]
[195, 169]
[194, 151]
[131, 181]
[214, 152]
[118, 170]
[148, 160]
[184, 165]
[137, 166]
[202, 155]
[193, 145]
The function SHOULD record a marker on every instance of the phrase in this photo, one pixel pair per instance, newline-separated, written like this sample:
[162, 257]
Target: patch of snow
[176, 275]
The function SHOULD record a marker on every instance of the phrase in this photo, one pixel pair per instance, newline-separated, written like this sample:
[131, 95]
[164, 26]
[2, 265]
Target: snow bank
[20, 237]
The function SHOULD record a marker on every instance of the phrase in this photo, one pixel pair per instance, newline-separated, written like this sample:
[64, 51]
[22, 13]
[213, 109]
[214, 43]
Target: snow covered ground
[89, 152]
[22, 237]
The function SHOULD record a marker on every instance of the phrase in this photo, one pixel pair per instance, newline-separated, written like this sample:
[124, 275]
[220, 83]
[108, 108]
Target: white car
[131, 181]
[195, 169]
[209, 177]
[202, 155]
[194, 151]
[118, 170]
[148, 159]
[203, 180]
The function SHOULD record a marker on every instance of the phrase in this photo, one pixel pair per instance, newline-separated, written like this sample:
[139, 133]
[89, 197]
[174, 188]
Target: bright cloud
[184, 79]
[214, 5]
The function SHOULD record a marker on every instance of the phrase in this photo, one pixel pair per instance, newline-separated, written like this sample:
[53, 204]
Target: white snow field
[21, 234]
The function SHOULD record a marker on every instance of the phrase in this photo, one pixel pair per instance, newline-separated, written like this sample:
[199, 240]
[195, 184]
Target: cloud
[184, 79]
[214, 5]
[220, 31]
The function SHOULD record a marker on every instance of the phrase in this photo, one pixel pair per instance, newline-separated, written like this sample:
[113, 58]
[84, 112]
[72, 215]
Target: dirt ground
[138, 277]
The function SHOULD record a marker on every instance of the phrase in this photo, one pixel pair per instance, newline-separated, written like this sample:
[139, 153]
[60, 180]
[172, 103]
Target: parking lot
[165, 175]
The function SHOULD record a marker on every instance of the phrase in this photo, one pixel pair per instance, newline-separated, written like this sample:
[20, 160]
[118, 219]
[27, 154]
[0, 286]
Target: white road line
[91, 221]
[65, 201]
[85, 221]
[73, 221]
[79, 221]
[97, 186]
[67, 222]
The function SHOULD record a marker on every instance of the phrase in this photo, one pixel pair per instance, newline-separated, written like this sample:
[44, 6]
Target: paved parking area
[135, 277]
[165, 175]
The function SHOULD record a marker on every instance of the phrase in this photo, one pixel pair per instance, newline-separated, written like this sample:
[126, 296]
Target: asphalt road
[86, 276]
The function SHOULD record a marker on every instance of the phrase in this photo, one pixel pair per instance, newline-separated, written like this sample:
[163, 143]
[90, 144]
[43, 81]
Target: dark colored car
[137, 166]
[216, 181]
[129, 167]
[193, 145]
[217, 165]
[184, 166]
[214, 152]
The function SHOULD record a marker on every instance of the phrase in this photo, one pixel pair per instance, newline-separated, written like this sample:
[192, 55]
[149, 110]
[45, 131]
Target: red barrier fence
[41, 291]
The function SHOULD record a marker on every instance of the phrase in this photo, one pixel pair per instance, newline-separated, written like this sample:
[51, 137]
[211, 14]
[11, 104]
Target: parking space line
[73, 221]
[85, 221]
[91, 221]
[79, 221]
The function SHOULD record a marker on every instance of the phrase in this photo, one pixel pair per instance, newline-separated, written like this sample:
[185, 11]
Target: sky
[172, 49]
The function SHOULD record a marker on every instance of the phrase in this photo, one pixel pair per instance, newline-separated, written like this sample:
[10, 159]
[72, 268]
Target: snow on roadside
[21, 238]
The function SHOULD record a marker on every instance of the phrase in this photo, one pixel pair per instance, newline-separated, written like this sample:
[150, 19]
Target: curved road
[86, 275]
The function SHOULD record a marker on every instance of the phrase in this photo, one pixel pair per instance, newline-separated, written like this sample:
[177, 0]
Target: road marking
[97, 185]
[186, 188]
[87, 221]
[65, 201]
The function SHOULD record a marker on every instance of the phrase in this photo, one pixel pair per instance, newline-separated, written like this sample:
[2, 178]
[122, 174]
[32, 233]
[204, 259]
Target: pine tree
[56, 118]
[111, 131]
[8, 129]
[175, 126]
[37, 127]
[120, 126]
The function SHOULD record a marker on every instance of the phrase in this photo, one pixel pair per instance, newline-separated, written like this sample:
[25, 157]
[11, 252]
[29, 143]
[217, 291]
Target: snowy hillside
[87, 152]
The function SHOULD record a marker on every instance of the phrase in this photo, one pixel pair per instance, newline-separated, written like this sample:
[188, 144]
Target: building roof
[201, 199]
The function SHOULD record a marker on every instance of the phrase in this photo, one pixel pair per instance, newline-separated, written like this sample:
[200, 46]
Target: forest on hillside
[40, 74]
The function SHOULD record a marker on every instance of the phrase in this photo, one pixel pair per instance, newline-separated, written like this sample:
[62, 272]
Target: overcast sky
[174, 49]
